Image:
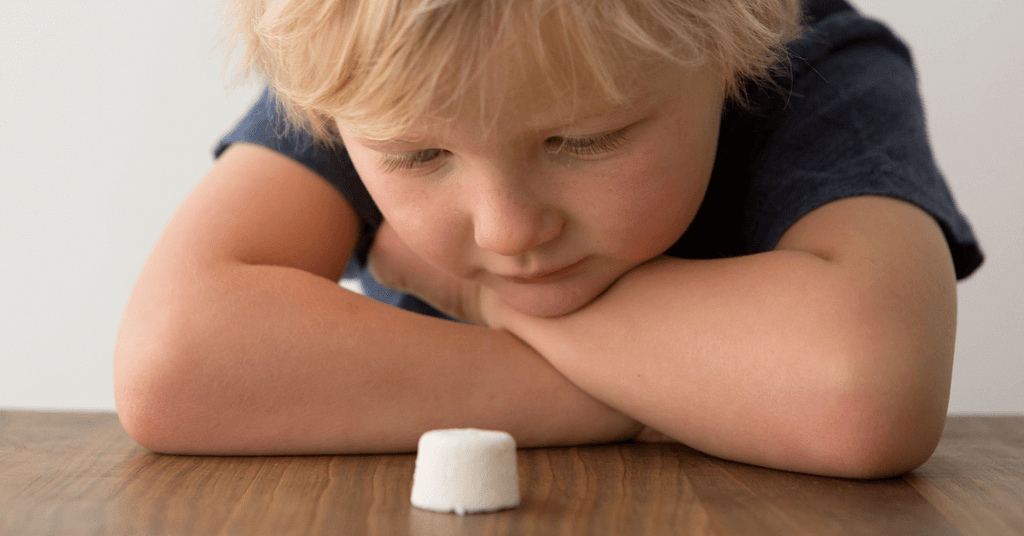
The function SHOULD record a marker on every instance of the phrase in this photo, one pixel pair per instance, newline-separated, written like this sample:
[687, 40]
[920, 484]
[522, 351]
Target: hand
[394, 265]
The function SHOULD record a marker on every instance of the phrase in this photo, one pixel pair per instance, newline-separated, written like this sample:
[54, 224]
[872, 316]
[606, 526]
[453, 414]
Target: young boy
[651, 217]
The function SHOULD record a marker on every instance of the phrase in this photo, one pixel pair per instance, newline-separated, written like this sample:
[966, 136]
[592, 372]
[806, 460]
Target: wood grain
[79, 473]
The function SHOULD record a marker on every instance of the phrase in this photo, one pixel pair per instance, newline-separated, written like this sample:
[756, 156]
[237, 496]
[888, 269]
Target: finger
[381, 261]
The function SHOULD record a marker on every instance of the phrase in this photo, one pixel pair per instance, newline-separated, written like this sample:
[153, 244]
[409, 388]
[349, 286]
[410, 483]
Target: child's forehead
[526, 107]
[540, 120]
[522, 116]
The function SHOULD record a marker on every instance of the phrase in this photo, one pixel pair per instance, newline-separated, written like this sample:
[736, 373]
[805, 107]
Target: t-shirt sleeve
[264, 125]
[852, 124]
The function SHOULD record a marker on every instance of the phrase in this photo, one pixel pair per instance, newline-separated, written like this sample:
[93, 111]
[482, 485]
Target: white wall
[108, 110]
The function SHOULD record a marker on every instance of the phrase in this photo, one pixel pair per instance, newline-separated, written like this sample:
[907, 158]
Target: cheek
[424, 220]
[423, 217]
[645, 203]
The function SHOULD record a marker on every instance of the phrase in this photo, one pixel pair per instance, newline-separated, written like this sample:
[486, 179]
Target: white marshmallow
[465, 471]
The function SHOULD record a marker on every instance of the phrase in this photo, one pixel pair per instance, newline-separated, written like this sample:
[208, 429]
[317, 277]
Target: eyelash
[575, 146]
[590, 146]
[395, 162]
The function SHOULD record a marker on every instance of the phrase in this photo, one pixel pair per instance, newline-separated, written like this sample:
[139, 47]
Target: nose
[510, 222]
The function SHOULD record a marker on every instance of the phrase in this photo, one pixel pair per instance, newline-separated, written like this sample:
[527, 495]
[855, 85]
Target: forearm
[267, 360]
[765, 359]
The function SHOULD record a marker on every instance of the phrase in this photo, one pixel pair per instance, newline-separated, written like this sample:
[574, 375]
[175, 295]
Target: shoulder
[264, 125]
[844, 119]
[835, 25]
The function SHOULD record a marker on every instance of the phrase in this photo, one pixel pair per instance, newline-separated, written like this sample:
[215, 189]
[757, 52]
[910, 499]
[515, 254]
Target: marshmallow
[465, 471]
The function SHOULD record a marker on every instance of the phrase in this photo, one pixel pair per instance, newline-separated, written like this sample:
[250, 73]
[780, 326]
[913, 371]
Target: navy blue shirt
[843, 119]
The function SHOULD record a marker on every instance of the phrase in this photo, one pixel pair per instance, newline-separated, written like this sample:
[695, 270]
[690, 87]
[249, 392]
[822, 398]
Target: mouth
[544, 277]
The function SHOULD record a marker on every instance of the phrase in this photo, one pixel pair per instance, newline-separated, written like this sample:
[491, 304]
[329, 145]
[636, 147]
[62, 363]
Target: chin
[548, 302]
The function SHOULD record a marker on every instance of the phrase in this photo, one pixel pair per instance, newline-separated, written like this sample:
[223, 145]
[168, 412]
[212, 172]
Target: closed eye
[587, 146]
[397, 161]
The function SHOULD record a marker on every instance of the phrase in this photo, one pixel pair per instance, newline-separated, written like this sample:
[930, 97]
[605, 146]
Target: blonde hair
[375, 66]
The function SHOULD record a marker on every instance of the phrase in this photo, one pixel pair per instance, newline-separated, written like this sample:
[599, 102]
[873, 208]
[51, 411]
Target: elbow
[148, 419]
[151, 388]
[888, 423]
[878, 447]
[143, 412]
[867, 439]
[141, 418]
[892, 390]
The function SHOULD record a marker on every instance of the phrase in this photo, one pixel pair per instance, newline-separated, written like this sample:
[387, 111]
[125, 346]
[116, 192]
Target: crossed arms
[830, 355]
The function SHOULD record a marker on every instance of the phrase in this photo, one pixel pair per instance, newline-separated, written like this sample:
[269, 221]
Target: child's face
[546, 208]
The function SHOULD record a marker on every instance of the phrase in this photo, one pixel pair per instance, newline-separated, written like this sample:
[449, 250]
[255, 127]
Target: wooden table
[79, 473]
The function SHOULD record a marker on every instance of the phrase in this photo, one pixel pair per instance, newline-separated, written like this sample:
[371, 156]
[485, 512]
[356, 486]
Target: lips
[544, 276]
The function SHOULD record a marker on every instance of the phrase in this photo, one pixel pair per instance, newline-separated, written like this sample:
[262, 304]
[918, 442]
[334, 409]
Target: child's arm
[830, 355]
[238, 340]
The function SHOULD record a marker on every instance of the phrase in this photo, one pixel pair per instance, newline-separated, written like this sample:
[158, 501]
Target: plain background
[109, 110]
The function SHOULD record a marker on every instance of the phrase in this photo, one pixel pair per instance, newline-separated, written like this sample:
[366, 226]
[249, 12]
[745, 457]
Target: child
[696, 218]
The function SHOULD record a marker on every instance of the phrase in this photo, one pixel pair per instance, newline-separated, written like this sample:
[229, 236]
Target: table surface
[79, 473]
